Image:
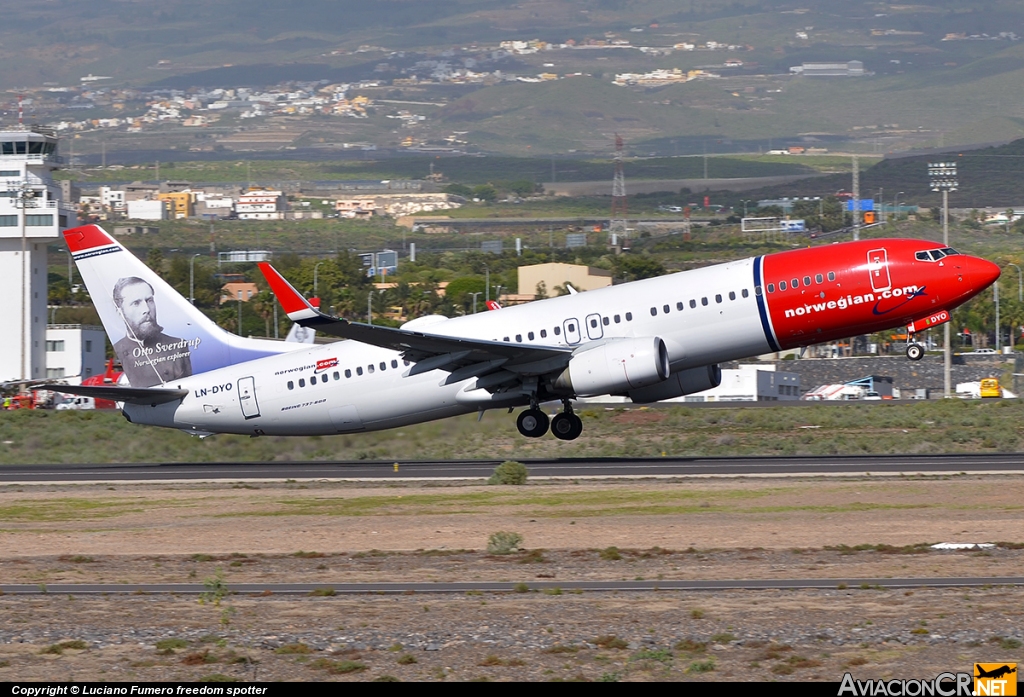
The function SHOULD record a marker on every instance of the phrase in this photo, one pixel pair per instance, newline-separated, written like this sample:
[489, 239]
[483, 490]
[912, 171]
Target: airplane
[649, 340]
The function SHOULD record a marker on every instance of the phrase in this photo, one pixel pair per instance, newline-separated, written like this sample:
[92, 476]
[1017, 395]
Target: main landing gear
[534, 423]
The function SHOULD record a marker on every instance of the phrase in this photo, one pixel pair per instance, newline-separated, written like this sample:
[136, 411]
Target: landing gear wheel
[915, 352]
[566, 426]
[533, 423]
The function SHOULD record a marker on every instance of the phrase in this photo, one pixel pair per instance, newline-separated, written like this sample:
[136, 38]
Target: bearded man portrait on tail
[149, 357]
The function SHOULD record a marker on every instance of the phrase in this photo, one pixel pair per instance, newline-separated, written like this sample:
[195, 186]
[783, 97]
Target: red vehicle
[110, 378]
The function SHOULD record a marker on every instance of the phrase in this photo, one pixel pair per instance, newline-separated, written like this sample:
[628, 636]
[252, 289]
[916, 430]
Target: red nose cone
[983, 273]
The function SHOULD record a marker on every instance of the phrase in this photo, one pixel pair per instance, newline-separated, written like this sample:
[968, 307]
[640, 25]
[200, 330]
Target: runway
[327, 589]
[567, 468]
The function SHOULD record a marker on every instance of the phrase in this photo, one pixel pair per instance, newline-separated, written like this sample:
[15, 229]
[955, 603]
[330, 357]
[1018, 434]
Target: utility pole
[942, 176]
[24, 198]
[856, 198]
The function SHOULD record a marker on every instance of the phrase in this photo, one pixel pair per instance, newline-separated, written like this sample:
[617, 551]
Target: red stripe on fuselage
[866, 295]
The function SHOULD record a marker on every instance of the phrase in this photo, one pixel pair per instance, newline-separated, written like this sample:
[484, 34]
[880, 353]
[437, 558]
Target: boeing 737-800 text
[649, 340]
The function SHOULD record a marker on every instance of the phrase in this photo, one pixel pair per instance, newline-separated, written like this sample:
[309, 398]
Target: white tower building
[32, 216]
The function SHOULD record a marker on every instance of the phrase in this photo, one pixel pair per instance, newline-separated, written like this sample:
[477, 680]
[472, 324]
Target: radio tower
[617, 224]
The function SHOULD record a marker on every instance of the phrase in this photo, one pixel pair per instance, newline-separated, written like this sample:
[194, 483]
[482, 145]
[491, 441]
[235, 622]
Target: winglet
[297, 307]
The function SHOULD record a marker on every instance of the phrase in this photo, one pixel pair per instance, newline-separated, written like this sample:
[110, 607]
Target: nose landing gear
[915, 352]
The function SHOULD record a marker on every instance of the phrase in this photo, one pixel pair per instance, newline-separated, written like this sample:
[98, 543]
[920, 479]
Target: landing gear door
[247, 398]
[571, 327]
[878, 270]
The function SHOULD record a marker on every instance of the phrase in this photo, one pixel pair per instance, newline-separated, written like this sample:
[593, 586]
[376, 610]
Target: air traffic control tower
[32, 216]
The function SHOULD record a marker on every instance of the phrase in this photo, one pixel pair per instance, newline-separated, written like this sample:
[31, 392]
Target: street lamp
[995, 294]
[745, 202]
[315, 269]
[1020, 283]
[474, 299]
[487, 283]
[24, 197]
[942, 176]
[191, 279]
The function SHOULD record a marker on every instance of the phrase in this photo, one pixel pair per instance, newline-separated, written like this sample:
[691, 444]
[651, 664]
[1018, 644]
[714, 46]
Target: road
[569, 468]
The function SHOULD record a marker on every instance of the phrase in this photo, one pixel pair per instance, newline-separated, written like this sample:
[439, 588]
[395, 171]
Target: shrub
[503, 542]
[611, 554]
[509, 472]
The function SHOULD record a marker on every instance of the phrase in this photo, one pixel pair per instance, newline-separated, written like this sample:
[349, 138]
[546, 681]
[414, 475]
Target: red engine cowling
[615, 366]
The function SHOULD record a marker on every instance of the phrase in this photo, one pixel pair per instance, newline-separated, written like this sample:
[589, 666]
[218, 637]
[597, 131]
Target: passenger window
[807, 280]
[519, 338]
[818, 278]
[406, 363]
[782, 285]
[312, 379]
[654, 312]
[771, 287]
[796, 283]
[302, 382]
[679, 306]
[359, 370]
[394, 363]
[572, 328]
[757, 291]
[704, 302]
[337, 375]
[530, 336]
[505, 339]
[543, 333]
[593, 323]
[718, 297]
[617, 319]
[629, 316]
[665, 309]
[732, 295]
[605, 321]
[831, 275]
[348, 372]
[291, 385]
[369, 369]
[693, 304]
[383, 365]
[558, 331]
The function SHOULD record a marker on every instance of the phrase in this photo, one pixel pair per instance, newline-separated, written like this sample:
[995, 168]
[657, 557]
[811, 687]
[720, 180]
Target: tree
[485, 192]
[631, 267]
[459, 292]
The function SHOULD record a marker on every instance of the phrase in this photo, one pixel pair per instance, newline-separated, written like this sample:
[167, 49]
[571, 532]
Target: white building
[145, 209]
[260, 205]
[751, 383]
[74, 352]
[32, 215]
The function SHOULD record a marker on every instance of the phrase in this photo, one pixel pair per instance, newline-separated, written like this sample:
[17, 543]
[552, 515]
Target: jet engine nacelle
[679, 384]
[619, 365]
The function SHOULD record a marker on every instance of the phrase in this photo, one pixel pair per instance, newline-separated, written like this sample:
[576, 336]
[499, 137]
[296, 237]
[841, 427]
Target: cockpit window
[935, 254]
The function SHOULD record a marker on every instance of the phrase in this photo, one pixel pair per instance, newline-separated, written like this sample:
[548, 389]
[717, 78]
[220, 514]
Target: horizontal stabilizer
[128, 395]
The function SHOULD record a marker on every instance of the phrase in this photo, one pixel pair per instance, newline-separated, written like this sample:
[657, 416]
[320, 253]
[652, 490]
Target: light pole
[497, 292]
[1020, 282]
[474, 300]
[369, 308]
[942, 176]
[192, 279]
[995, 294]
[895, 209]
[745, 202]
[487, 283]
[315, 269]
[24, 198]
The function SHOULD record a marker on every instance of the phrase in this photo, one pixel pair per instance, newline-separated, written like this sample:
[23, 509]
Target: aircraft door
[878, 270]
[571, 327]
[247, 398]
[595, 330]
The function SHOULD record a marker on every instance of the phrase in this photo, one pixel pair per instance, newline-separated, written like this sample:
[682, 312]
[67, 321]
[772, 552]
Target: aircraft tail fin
[158, 335]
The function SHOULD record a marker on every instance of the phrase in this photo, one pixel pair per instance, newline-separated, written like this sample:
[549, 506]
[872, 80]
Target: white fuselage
[704, 316]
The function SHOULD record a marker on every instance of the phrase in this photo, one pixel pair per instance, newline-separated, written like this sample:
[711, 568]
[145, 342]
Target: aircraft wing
[428, 351]
[129, 395]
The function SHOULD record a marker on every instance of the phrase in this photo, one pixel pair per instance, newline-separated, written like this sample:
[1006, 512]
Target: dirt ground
[335, 532]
